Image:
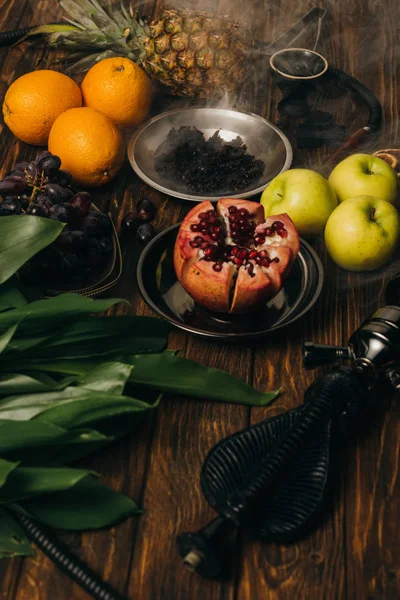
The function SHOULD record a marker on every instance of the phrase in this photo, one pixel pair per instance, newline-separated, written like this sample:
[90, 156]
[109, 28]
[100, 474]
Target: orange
[89, 145]
[118, 88]
[35, 100]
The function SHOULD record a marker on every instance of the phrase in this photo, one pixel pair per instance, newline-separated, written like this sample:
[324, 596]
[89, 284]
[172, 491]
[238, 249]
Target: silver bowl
[263, 140]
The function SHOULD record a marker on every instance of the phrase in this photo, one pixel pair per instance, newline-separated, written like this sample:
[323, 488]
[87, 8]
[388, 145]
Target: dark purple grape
[145, 209]
[130, 223]
[31, 170]
[43, 200]
[41, 155]
[83, 201]
[21, 165]
[95, 224]
[17, 177]
[145, 233]
[106, 244]
[57, 193]
[63, 178]
[24, 199]
[71, 238]
[63, 212]
[8, 187]
[49, 164]
[10, 206]
[37, 210]
[95, 252]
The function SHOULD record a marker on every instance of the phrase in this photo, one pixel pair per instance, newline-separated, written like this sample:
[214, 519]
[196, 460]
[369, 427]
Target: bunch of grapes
[42, 189]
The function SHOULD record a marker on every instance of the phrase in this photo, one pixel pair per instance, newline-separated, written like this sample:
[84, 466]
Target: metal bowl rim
[181, 195]
[227, 336]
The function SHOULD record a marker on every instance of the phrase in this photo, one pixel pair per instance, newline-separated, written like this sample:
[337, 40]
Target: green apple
[361, 174]
[362, 233]
[304, 195]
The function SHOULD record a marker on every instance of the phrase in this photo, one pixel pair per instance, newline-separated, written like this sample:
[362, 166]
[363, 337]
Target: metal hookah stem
[330, 395]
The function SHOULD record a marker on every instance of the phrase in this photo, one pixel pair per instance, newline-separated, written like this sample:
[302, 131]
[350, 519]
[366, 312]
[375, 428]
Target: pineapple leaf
[75, 9]
[88, 61]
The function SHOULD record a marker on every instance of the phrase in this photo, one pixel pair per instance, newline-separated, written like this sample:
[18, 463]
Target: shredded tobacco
[207, 166]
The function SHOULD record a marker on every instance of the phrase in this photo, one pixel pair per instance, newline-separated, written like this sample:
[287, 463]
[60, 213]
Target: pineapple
[194, 53]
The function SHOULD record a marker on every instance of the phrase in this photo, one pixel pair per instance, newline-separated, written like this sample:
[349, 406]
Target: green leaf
[5, 469]
[21, 237]
[34, 443]
[13, 541]
[11, 296]
[7, 336]
[99, 336]
[107, 377]
[170, 373]
[71, 407]
[22, 383]
[87, 505]
[26, 482]
[44, 315]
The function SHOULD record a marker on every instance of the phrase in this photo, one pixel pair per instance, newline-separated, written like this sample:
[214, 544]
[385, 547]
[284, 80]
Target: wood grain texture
[354, 554]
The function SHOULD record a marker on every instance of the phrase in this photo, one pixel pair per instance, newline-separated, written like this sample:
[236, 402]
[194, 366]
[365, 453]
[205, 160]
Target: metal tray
[162, 291]
[263, 140]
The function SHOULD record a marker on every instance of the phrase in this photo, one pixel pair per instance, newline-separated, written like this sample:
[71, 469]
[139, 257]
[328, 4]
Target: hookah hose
[66, 561]
[372, 103]
[7, 38]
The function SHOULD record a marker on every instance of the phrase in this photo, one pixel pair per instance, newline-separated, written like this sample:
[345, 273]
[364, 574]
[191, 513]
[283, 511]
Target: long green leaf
[46, 314]
[6, 337]
[13, 541]
[170, 373]
[107, 377]
[71, 407]
[5, 469]
[11, 296]
[88, 505]
[23, 383]
[36, 443]
[26, 482]
[21, 237]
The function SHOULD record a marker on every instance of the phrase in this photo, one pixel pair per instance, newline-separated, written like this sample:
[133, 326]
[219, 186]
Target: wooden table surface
[355, 553]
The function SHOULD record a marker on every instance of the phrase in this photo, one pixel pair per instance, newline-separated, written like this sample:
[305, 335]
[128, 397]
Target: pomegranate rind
[292, 240]
[210, 288]
[254, 291]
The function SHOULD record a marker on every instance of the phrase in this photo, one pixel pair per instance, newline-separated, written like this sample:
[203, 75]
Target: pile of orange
[45, 107]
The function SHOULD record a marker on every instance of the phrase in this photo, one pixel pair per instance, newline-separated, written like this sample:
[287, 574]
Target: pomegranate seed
[210, 251]
[234, 250]
[217, 266]
[203, 223]
[217, 228]
[259, 239]
[252, 254]
[234, 226]
[194, 227]
[242, 253]
[251, 269]
[265, 262]
[214, 236]
[244, 212]
[204, 230]
[211, 213]
[278, 224]
[263, 254]
[202, 215]
[211, 219]
[198, 239]
[194, 244]
[204, 245]
[258, 260]
[232, 210]
[282, 233]
[238, 261]
[244, 229]
[268, 232]
[276, 259]
[242, 221]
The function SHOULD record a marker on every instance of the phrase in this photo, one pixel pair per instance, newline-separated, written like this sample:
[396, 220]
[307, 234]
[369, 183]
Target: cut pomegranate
[238, 262]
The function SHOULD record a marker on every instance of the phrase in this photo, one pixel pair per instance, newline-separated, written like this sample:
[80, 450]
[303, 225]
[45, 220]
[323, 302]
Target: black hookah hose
[7, 38]
[66, 561]
[372, 103]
